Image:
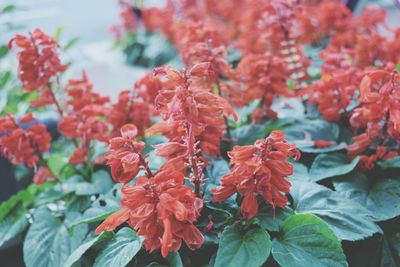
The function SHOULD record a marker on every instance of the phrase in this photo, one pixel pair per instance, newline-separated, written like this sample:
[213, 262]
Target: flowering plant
[243, 157]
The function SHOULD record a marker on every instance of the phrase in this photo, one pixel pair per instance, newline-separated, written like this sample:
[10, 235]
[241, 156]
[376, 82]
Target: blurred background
[87, 24]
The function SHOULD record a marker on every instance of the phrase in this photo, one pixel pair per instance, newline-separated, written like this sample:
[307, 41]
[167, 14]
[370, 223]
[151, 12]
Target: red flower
[259, 169]
[84, 117]
[264, 77]
[162, 210]
[38, 59]
[135, 106]
[42, 175]
[23, 146]
[26, 146]
[378, 115]
[124, 157]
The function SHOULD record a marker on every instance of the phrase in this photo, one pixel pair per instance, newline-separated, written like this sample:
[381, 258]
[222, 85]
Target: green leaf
[248, 134]
[120, 250]
[313, 149]
[381, 198]
[56, 163]
[330, 165]
[8, 8]
[214, 172]
[289, 108]
[77, 254]
[101, 184]
[103, 207]
[305, 240]
[26, 197]
[48, 243]
[174, 260]
[348, 219]
[390, 163]
[71, 42]
[304, 131]
[271, 220]
[3, 51]
[13, 225]
[300, 171]
[398, 67]
[238, 249]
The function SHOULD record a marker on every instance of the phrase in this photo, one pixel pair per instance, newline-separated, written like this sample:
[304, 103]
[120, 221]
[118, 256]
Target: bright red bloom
[378, 115]
[38, 59]
[124, 157]
[23, 146]
[135, 106]
[162, 209]
[184, 105]
[264, 77]
[259, 170]
[26, 145]
[84, 117]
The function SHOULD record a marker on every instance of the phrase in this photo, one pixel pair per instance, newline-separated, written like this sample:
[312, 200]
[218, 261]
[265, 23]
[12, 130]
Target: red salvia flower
[38, 59]
[259, 170]
[124, 156]
[264, 77]
[23, 146]
[378, 115]
[84, 117]
[135, 106]
[162, 209]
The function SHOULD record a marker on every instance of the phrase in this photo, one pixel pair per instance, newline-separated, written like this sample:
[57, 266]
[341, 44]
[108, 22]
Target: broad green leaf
[330, 165]
[13, 224]
[248, 134]
[174, 260]
[120, 250]
[300, 171]
[271, 220]
[312, 149]
[104, 206]
[304, 131]
[214, 172]
[381, 198]
[347, 219]
[26, 197]
[305, 240]
[238, 249]
[101, 184]
[289, 108]
[77, 254]
[390, 163]
[48, 242]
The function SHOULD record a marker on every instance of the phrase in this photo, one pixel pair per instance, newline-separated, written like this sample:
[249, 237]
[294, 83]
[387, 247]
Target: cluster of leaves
[205, 166]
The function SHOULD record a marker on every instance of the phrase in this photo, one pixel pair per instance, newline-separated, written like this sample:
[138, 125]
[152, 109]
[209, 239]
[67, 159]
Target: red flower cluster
[135, 106]
[25, 146]
[260, 169]
[191, 114]
[318, 21]
[83, 117]
[38, 59]
[124, 156]
[162, 209]
[379, 115]
[355, 47]
[264, 77]
[128, 20]
[38, 64]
